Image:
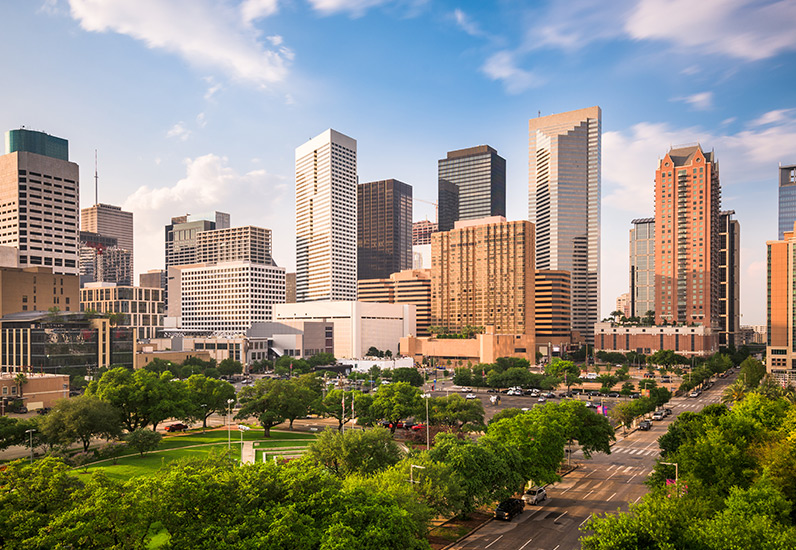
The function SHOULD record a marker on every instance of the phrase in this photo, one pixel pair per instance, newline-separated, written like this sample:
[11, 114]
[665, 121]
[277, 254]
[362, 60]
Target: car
[408, 425]
[668, 412]
[465, 389]
[634, 396]
[509, 508]
[613, 394]
[591, 376]
[43, 410]
[418, 427]
[549, 395]
[541, 399]
[590, 405]
[694, 394]
[492, 390]
[534, 495]
[176, 427]
[470, 396]
[644, 425]
[594, 393]
[565, 394]
[658, 415]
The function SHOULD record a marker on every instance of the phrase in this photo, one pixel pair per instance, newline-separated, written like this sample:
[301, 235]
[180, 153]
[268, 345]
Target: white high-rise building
[326, 218]
[564, 203]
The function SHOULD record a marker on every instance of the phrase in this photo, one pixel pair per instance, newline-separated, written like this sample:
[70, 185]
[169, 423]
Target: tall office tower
[787, 198]
[642, 267]
[687, 237]
[552, 303]
[109, 221]
[564, 204]
[729, 279]
[781, 308]
[326, 218]
[244, 244]
[181, 234]
[483, 274]
[40, 194]
[411, 286]
[479, 175]
[421, 232]
[101, 260]
[384, 228]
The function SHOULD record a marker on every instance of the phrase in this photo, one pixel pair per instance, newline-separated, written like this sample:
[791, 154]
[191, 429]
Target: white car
[466, 389]
[470, 396]
[541, 399]
[694, 394]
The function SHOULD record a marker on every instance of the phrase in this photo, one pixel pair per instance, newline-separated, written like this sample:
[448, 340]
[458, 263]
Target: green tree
[454, 411]
[396, 402]
[592, 431]
[510, 412]
[158, 366]
[20, 380]
[143, 440]
[333, 406]
[263, 400]
[207, 396]
[735, 392]
[12, 432]
[362, 452]
[752, 372]
[320, 359]
[409, 375]
[230, 367]
[81, 419]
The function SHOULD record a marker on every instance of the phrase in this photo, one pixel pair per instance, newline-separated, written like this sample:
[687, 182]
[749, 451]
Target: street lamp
[229, 423]
[411, 468]
[204, 416]
[242, 429]
[428, 441]
[676, 474]
[30, 433]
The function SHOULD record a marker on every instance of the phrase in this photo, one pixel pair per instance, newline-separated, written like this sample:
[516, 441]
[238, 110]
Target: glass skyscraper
[787, 199]
[642, 267]
[472, 185]
[384, 228]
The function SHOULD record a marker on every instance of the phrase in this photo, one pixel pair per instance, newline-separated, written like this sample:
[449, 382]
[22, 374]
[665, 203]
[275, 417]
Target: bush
[143, 440]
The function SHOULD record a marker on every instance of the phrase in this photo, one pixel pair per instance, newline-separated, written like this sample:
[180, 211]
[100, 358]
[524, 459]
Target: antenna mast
[96, 179]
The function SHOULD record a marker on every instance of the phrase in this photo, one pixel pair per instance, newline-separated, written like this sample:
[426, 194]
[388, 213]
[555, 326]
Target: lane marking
[635, 501]
[609, 498]
[587, 519]
[556, 548]
[559, 517]
[631, 478]
[526, 544]
[628, 469]
[612, 475]
[494, 541]
[590, 492]
[611, 466]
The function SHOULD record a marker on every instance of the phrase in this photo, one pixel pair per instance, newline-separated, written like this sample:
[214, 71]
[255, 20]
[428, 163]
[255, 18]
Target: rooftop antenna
[96, 179]
[539, 113]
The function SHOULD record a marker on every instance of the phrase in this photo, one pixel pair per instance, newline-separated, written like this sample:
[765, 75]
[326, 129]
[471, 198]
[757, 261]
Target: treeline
[350, 491]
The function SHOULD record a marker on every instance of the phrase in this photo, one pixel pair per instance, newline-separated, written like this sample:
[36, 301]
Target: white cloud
[355, 8]
[502, 66]
[466, 24]
[773, 117]
[213, 88]
[702, 101]
[744, 29]
[179, 131]
[206, 33]
[201, 120]
[209, 184]
[252, 10]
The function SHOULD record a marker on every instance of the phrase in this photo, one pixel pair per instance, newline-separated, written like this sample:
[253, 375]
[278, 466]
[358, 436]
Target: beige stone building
[483, 348]
[143, 308]
[41, 390]
[235, 244]
[552, 308]
[37, 289]
[410, 286]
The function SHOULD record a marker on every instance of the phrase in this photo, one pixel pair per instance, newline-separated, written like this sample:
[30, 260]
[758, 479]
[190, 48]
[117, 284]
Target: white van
[591, 376]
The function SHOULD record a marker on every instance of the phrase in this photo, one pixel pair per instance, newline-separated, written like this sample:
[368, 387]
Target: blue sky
[198, 105]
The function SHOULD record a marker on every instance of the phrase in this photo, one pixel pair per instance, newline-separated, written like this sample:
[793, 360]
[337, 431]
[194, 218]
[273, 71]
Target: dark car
[667, 411]
[645, 425]
[509, 508]
[634, 396]
[613, 394]
[176, 427]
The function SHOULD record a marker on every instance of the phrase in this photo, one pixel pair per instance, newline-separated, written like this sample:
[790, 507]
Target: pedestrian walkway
[247, 453]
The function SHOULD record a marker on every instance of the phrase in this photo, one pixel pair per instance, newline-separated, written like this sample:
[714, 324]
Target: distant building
[235, 244]
[729, 279]
[142, 308]
[181, 238]
[458, 352]
[781, 310]
[642, 267]
[41, 390]
[290, 288]
[40, 191]
[411, 286]
[787, 198]
[102, 260]
[479, 177]
[421, 232]
[623, 304]
[421, 256]
[110, 221]
[384, 228]
[37, 289]
[154, 278]
[326, 218]
[684, 340]
[552, 303]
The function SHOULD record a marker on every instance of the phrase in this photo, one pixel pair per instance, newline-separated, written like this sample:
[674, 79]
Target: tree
[373, 351]
[207, 396]
[455, 411]
[320, 359]
[264, 401]
[12, 432]
[592, 431]
[396, 402]
[143, 440]
[409, 375]
[627, 388]
[510, 412]
[143, 397]
[230, 367]
[333, 406]
[362, 452]
[81, 418]
[20, 380]
[735, 392]
[752, 372]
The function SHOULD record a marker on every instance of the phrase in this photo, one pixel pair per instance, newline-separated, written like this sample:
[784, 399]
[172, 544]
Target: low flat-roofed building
[39, 391]
[682, 339]
[142, 358]
[456, 352]
[410, 286]
[37, 289]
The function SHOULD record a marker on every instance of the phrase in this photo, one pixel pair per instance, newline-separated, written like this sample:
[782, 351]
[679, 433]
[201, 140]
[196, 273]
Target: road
[606, 483]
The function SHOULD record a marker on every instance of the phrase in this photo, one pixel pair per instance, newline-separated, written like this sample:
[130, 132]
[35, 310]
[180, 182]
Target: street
[606, 483]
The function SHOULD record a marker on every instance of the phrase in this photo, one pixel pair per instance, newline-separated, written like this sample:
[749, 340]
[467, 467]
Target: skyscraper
[564, 203]
[781, 308]
[109, 221]
[687, 242]
[40, 191]
[326, 218]
[642, 267]
[787, 198]
[181, 238]
[384, 228]
[479, 175]
[421, 232]
[729, 279]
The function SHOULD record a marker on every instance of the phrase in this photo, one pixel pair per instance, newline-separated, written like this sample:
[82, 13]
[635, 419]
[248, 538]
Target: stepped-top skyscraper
[40, 193]
[326, 218]
[564, 203]
[472, 185]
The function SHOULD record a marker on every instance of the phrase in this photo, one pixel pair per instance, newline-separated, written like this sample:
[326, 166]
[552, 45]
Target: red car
[418, 427]
[177, 427]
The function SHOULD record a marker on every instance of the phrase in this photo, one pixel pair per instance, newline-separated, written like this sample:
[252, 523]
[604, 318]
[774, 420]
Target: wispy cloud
[774, 117]
[702, 101]
[502, 66]
[207, 33]
[179, 131]
[355, 8]
[464, 22]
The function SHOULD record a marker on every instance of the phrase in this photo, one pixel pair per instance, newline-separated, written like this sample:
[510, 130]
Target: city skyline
[184, 129]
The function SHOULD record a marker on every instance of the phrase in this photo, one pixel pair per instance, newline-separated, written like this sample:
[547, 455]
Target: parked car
[694, 394]
[466, 389]
[534, 495]
[634, 396]
[176, 427]
[509, 508]
[667, 411]
[645, 425]
[541, 399]
[658, 415]
[470, 396]
[418, 427]
[613, 394]
[549, 395]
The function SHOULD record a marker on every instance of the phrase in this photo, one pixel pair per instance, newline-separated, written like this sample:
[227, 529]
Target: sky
[195, 106]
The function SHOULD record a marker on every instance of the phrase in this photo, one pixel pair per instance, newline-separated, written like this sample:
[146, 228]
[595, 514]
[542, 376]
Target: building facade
[781, 308]
[421, 232]
[142, 309]
[642, 267]
[564, 204]
[181, 237]
[109, 221]
[326, 218]
[472, 185]
[384, 228]
[235, 244]
[40, 194]
[483, 275]
[787, 198]
[552, 307]
[37, 289]
[101, 260]
[729, 279]
[687, 237]
[154, 278]
[411, 286]
[684, 340]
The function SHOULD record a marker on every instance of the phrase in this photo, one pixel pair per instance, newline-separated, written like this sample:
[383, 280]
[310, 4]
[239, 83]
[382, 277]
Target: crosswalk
[631, 451]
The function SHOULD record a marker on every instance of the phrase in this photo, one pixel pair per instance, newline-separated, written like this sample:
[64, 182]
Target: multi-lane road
[606, 483]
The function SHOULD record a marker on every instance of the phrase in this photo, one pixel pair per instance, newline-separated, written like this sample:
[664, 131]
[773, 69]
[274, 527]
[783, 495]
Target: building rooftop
[638, 221]
[684, 155]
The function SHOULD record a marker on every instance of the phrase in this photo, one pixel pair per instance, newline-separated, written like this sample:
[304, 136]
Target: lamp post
[229, 423]
[676, 474]
[30, 433]
[204, 416]
[428, 441]
[411, 468]
[242, 429]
